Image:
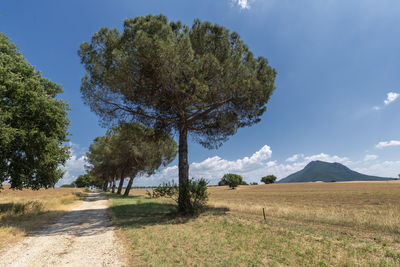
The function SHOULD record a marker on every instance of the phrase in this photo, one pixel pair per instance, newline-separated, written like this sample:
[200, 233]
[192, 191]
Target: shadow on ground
[138, 212]
[133, 211]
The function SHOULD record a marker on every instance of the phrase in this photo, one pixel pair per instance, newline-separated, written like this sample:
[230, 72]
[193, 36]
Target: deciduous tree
[269, 179]
[201, 80]
[33, 123]
[83, 181]
[232, 180]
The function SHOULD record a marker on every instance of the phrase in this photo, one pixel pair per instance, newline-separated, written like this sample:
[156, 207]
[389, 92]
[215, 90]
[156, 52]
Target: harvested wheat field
[25, 211]
[317, 224]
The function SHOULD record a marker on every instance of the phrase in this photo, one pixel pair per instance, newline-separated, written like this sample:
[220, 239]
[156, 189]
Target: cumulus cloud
[294, 158]
[370, 157]
[243, 4]
[384, 169]
[252, 168]
[392, 96]
[75, 165]
[328, 158]
[384, 144]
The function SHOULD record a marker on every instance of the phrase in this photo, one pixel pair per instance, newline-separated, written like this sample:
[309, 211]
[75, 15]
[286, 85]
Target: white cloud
[384, 144]
[294, 158]
[369, 157]
[251, 168]
[215, 167]
[328, 158]
[74, 166]
[391, 97]
[254, 167]
[389, 169]
[243, 4]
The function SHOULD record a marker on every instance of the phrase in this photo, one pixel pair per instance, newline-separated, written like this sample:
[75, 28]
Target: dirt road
[82, 237]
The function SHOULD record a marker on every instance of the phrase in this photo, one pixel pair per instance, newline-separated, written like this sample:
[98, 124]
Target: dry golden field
[24, 211]
[309, 224]
[360, 205]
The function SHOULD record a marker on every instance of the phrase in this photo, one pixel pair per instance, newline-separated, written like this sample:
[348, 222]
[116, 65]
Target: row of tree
[234, 180]
[127, 151]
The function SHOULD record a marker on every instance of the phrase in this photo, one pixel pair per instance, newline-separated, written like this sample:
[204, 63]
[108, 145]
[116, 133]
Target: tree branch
[127, 109]
[197, 115]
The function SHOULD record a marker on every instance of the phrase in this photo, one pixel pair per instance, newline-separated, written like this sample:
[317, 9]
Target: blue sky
[337, 88]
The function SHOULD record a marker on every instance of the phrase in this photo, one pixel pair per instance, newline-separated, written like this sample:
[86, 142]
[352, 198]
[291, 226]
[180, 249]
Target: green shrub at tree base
[198, 195]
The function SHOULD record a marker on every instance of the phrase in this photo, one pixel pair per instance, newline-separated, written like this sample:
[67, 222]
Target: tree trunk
[114, 182]
[184, 198]
[129, 186]
[105, 184]
[121, 184]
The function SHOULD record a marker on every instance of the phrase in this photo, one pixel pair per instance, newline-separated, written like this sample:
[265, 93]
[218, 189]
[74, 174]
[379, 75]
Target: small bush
[232, 180]
[269, 179]
[197, 192]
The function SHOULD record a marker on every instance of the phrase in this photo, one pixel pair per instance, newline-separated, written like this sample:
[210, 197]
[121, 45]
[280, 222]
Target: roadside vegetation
[317, 224]
[24, 211]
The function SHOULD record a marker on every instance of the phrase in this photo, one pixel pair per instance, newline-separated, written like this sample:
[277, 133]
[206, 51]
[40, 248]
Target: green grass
[155, 236]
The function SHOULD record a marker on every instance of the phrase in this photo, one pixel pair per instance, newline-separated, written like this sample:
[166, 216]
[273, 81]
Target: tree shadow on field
[146, 212]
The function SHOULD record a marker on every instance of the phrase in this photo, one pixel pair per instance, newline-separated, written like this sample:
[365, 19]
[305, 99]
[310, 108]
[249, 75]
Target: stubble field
[317, 224]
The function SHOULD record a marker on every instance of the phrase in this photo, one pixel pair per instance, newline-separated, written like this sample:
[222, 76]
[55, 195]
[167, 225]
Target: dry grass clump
[24, 211]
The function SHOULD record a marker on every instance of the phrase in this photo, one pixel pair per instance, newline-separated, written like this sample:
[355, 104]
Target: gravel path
[82, 237]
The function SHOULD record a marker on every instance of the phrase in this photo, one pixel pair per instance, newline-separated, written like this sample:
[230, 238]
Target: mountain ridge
[327, 172]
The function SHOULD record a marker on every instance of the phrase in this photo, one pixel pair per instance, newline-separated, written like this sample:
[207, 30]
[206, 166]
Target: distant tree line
[234, 180]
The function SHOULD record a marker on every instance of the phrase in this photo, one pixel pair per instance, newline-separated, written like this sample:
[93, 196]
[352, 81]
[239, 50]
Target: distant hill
[327, 172]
